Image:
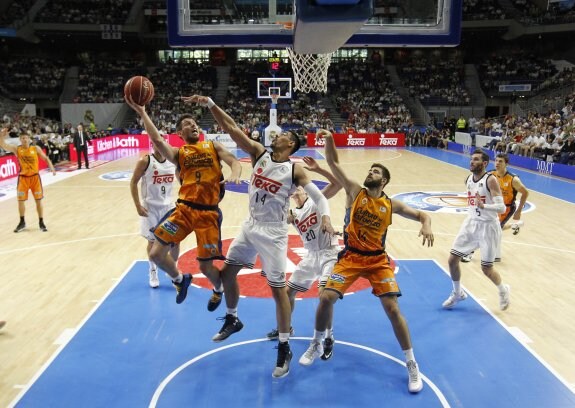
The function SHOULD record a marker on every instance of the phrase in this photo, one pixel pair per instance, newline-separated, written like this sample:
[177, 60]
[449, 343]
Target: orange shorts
[183, 220]
[26, 183]
[375, 268]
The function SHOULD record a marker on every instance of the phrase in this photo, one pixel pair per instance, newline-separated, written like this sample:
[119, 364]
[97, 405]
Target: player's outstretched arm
[3, 144]
[351, 187]
[136, 176]
[46, 159]
[317, 197]
[520, 187]
[169, 152]
[400, 208]
[229, 126]
[333, 187]
[231, 161]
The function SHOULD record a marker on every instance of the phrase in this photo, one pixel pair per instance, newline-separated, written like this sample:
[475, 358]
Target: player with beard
[368, 216]
[265, 231]
[202, 186]
[480, 229]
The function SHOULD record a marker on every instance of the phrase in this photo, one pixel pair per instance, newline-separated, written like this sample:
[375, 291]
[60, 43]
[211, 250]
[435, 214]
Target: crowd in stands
[482, 10]
[365, 97]
[103, 81]
[514, 67]
[175, 79]
[435, 82]
[85, 11]
[17, 10]
[36, 76]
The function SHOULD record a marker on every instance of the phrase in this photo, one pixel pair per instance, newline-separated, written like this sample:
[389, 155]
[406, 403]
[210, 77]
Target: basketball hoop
[310, 71]
[275, 97]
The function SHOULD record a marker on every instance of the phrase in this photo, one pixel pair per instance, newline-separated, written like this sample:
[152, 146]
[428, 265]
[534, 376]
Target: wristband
[210, 103]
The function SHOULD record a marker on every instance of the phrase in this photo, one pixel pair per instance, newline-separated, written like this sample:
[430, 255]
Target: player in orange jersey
[202, 186]
[28, 178]
[510, 185]
[368, 216]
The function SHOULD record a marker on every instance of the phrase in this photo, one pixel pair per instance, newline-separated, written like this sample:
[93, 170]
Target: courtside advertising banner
[123, 141]
[360, 140]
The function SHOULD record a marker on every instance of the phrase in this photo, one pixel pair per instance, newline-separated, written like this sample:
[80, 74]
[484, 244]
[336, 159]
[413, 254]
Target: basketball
[140, 89]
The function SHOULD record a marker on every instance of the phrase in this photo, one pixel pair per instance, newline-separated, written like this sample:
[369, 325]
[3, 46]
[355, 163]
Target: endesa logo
[307, 223]
[266, 184]
[8, 169]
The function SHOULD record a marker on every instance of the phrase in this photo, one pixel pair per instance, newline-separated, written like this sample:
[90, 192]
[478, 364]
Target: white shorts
[475, 234]
[316, 265]
[269, 241]
[154, 217]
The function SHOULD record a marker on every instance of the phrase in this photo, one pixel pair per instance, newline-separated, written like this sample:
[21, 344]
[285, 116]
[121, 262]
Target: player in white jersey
[157, 175]
[265, 232]
[480, 229]
[322, 248]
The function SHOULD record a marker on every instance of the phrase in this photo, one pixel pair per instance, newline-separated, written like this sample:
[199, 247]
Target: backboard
[277, 86]
[269, 24]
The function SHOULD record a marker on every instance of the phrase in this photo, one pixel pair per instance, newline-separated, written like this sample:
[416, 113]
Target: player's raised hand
[427, 235]
[138, 108]
[321, 134]
[231, 179]
[311, 164]
[197, 99]
[326, 225]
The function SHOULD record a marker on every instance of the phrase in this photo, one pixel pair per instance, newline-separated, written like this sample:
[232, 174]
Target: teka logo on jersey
[158, 178]
[390, 141]
[8, 169]
[243, 187]
[307, 223]
[355, 141]
[266, 184]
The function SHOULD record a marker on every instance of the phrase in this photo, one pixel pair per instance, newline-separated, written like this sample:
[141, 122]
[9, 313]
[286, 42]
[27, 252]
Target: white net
[310, 71]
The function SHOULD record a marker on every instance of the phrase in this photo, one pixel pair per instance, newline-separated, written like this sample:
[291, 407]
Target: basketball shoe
[453, 299]
[231, 325]
[284, 357]
[182, 287]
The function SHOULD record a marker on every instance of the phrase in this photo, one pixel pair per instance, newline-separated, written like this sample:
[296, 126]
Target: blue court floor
[139, 349]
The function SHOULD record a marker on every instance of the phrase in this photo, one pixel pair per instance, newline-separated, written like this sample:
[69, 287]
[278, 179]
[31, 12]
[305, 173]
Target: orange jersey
[28, 158]
[367, 221]
[508, 193]
[507, 190]
[200, 174]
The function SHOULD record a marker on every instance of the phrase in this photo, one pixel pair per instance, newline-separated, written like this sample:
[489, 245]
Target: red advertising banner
[122, 141]
[10, 167]
[361, 140]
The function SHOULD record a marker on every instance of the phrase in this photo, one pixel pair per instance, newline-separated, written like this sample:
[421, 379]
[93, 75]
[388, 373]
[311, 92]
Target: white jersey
[308, 223]
[157, 183]
[271, 185]
[479, 186]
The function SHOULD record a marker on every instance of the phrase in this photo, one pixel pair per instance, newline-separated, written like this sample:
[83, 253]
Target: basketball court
[85, 329]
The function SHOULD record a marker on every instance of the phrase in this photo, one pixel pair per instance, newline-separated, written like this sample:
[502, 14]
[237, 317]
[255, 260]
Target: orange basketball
[140, 89]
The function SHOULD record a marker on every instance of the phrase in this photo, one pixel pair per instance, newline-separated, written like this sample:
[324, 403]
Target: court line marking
[513, 331]
[506, 241]
[50, 360]
[173, 374]
[548, 176]
[74, 241]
